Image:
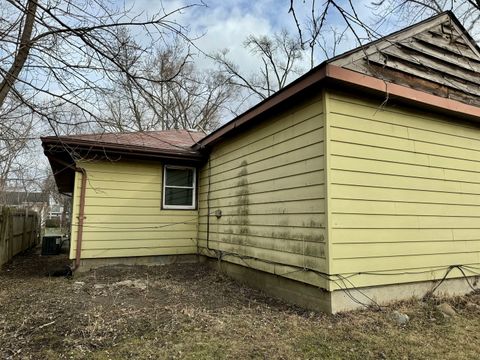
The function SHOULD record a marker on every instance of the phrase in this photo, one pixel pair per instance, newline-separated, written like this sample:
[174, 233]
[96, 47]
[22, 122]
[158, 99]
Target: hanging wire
[346, 285]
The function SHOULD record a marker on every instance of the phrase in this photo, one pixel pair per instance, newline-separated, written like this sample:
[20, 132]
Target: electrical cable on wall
[341, 281]
[190, 220]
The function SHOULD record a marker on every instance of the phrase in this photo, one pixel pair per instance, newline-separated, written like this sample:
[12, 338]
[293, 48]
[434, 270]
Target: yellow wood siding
[337, 184]
[123, 215]
[268, 182]
[404, 192]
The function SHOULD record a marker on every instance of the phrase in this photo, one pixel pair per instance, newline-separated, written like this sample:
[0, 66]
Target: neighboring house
[59, 210]
[55, 212]
[35, 201]
[357, 183]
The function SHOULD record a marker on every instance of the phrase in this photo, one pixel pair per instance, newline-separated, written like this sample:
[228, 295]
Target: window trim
[194, 187]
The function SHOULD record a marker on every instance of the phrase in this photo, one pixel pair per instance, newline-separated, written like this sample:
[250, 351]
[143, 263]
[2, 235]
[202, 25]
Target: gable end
[436, 56]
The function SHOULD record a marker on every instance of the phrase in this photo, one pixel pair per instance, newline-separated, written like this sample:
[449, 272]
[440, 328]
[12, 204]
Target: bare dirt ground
[192, 312]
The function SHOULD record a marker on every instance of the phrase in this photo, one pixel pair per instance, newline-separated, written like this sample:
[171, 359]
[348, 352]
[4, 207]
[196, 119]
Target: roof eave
[120, 149]
[421, 98]
[311, 78]
[335, 74]
[59, 153]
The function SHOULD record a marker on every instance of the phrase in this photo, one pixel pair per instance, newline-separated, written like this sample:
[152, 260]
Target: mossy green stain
[243, 201]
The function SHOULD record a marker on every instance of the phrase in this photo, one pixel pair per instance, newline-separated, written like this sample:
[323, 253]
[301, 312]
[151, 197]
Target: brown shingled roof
[167, 145]
[168, 141]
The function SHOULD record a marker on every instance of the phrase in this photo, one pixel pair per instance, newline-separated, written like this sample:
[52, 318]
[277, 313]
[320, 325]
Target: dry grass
[191, 312]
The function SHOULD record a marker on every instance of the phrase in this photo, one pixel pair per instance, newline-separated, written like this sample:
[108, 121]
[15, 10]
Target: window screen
[179, 188]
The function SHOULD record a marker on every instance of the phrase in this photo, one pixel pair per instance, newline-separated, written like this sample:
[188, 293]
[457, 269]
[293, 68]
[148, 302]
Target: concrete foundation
[314, 298]
[298, 293]
[343, 301]
[89, 264]
[294, 292]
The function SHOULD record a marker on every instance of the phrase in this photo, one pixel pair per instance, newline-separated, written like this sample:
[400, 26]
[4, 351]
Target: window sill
[172, 207]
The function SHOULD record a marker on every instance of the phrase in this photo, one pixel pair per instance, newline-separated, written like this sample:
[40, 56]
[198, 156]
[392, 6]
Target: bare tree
[15, 135]
[197, 98]
[327, 43]
[62, 51]
[123, 101]
[410, 11]
[317, 34]
[194, 98]
[314, 27]
[56, 59]
[279, 57]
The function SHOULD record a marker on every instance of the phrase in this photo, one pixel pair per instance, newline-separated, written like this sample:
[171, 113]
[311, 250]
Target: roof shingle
[175, 141]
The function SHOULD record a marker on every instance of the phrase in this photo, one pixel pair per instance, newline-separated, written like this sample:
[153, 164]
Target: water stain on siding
[242, 202]
[299, 242]
[313, 224]
[307, 240]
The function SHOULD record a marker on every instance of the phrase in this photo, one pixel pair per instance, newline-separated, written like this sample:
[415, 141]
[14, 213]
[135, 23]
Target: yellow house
[357, 184]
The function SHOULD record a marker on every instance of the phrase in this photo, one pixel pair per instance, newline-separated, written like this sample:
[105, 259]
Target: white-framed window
[179, 187]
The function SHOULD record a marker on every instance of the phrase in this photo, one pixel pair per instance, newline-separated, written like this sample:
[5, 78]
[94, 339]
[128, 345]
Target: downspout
[81, 216]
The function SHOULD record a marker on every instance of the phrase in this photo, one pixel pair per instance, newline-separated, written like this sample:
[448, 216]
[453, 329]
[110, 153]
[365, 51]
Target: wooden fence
[19, 231]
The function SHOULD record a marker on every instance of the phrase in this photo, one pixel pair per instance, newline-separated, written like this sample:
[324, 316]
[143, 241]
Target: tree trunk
[22, 54]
